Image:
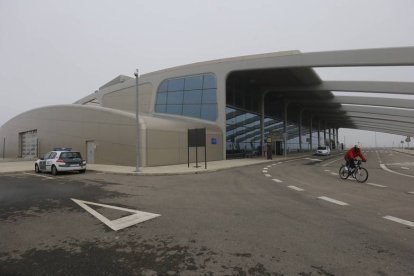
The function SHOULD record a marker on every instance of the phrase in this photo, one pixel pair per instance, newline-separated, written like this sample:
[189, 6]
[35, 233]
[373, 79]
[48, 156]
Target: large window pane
[192, 97]
[192, 83]
[163, 86]
[209, 81]
[174, 109]
[192, 110]
[175, 98]
[209, 96]
[161, 108]
[176, 85]
[161, 98]
[209, 112]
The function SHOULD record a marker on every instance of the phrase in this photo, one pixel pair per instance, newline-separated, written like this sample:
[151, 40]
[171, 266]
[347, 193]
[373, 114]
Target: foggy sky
[56, 52]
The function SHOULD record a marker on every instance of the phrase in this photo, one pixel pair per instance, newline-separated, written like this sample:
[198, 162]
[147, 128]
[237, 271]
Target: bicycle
[358, 172]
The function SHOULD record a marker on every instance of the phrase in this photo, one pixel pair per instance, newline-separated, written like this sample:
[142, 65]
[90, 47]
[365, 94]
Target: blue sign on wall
[213, 141]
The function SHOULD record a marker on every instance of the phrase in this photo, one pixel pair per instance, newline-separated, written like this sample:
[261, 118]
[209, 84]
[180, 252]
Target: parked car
[61, 160]
[323, 150]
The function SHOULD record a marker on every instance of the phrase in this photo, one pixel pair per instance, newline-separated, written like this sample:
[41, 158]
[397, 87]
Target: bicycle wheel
[361, 175]
[343, 174]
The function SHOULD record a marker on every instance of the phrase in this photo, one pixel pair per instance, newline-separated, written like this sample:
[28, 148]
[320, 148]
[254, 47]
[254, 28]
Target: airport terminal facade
[241, 102]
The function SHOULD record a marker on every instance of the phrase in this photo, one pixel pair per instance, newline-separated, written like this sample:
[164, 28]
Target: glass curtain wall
[191, 96]
[243, 134]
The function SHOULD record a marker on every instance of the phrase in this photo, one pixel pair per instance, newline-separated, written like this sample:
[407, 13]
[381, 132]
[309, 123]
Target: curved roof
[392, 114]
[289, 77]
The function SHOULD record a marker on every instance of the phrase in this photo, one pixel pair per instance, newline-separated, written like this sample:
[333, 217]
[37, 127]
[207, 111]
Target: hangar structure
[240, 101]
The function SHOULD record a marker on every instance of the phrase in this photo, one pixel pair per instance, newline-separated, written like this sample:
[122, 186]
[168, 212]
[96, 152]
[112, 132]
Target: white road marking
[268, 175]
[412, 193]
[296, 188]
[277, 180]
[327, 170]
[264, 171]
[318, 160]
[48, 177]
[117, 224]
[388, 170]
[268, 166]
[401, 164]
[334, 173]
[376, 185]
[402, 221]
[405, 168]
[326, 164]
[333, 200]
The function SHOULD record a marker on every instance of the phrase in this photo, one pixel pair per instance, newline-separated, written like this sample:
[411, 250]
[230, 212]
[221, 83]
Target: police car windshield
[70, 155]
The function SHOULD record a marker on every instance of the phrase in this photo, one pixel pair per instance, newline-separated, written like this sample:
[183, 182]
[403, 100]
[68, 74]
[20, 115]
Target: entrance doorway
[28, 144]
[90, 152]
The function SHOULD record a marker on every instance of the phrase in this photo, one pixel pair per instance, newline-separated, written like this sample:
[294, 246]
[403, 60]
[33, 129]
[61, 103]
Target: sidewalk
[406, 151]
[23, 166]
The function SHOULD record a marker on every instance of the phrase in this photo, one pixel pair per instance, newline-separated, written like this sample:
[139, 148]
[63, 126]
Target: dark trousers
[350, 163]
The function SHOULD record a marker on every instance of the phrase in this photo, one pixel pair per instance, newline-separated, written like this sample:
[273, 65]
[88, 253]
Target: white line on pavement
[326, 164]
[264, 171]
[333, 200]
[296, 188]
[48, 177]
[327, 170]
[402, 221]
[277, 180]
[388, 170]
[334, 173]
[376, 185]
[405, 168]
[267, 175]
[412, 193]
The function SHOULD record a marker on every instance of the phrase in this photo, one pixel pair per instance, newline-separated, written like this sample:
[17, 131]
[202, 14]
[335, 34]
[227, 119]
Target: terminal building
[242, 102]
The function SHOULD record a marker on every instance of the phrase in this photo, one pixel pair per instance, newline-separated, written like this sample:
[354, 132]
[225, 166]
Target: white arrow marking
[388, 170]
[117, 224]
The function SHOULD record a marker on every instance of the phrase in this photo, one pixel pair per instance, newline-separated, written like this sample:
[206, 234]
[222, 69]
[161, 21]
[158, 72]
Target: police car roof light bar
[62, 149]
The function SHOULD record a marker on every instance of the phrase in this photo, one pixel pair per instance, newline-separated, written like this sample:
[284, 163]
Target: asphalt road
[291, 218]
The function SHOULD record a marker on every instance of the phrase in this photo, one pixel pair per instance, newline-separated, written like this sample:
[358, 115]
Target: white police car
[61, 160]
[323, 150]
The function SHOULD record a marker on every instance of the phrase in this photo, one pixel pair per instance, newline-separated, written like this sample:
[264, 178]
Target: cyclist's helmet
[356, 148]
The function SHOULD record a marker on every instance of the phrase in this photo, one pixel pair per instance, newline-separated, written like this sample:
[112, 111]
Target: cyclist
[351, 155]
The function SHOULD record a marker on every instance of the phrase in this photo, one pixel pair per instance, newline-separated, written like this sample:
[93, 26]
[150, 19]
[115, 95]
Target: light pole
[138, 165]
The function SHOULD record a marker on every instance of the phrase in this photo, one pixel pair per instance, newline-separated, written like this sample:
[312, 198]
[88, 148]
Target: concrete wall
[73, 125]
[124, 99]
[166, 141]
[163, 139]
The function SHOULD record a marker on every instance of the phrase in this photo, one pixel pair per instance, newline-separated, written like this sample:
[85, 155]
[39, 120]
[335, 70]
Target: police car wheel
[54, 170]
[82, 171]
[37, 169]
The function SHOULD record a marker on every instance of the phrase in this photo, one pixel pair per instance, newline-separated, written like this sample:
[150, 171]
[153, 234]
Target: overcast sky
[56, 52]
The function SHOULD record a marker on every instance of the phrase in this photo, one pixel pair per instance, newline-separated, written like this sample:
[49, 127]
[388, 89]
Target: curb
[196, 172]
[181, 172]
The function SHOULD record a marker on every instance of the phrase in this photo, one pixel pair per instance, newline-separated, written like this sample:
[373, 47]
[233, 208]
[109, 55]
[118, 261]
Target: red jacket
[351, 154]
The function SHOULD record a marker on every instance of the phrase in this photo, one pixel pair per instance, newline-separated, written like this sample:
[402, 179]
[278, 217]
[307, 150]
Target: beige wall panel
[125, 99]
[72, 126]
[167, 147]
[127, 134]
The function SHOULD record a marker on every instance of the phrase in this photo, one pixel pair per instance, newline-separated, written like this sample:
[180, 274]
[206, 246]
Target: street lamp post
[137, 151]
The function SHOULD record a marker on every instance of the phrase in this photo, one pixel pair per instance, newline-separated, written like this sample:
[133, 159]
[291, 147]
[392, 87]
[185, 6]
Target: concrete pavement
[9, 166]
